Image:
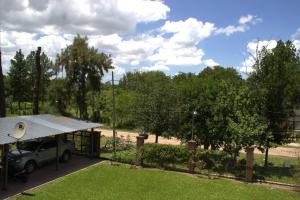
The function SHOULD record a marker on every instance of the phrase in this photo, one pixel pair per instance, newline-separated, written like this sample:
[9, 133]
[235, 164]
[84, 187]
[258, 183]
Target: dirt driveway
[292, 150]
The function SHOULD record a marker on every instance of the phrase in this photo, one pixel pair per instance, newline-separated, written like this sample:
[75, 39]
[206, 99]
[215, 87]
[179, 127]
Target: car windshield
[29, 146]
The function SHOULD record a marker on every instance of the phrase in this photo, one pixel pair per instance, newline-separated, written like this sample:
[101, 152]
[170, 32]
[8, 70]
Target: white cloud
[119, 71]
[253, 48]
[243, 25]
[180, 49]
[110, 27]
[174, 45]
[156, 67]
[296, 35]
[187, 33]
[246, 19]
[297, 44]
[79, 16]
[12, 41]
[210, 63]
[246, 69]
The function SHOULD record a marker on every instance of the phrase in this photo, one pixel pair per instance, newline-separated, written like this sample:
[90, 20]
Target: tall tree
[246, 125]
[153, 103]
[2, 90]
[47, 71]
[58, 96]
[211, 94]
[83, 64]
[276, 75]
[18, 78]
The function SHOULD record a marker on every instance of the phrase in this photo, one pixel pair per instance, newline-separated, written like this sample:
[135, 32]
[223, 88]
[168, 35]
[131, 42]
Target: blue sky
[170, 35]
[280, 19]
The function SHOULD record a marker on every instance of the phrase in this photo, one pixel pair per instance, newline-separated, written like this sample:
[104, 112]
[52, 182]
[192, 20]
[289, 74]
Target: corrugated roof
[41, 126]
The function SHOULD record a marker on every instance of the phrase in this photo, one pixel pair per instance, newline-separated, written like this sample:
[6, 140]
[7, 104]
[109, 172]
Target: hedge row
[165, 155]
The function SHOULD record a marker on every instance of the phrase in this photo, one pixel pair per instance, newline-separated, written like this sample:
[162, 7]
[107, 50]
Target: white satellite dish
[20, 130]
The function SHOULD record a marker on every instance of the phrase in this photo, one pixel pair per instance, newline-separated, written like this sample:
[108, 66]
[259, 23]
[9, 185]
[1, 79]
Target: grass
[108, 182]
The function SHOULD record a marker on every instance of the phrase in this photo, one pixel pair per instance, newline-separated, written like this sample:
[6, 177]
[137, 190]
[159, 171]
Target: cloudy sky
[170, 35]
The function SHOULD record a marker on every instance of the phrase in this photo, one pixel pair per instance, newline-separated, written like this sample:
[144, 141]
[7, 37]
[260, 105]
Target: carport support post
[57, 152]
[249, 163]
[92, 142]
[139, 144]
[5, 166]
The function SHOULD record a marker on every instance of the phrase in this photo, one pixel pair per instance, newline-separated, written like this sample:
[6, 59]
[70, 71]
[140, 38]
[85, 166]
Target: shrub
[164, 155]
[215, 159]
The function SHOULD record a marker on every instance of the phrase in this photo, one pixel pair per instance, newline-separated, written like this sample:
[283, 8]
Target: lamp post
[193, 119]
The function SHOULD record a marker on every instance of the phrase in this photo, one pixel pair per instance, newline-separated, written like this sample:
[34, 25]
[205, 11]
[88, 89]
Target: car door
[47, 151]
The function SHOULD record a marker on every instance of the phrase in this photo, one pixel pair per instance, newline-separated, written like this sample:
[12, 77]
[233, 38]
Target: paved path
[291, 151]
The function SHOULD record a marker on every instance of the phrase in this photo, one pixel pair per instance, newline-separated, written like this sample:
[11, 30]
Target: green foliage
[215, 159]
[164, 155]
[19, 78]
[84, 68]
[211, 94]
[247, 126]
[151, 102]
[125, 102]
[58, 96]
[47, 72]
[276, 78]
[232, 113]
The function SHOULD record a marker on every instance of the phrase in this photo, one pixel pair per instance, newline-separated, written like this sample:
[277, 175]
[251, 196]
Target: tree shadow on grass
[274, 173]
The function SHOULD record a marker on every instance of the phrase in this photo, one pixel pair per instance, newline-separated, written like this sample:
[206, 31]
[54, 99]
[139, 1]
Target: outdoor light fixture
[193, 119]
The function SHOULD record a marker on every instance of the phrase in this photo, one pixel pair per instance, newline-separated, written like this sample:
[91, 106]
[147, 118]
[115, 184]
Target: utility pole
[114, 112]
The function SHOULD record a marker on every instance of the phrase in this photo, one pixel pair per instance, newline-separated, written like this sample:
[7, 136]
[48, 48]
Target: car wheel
[29, 167]
[66, 156]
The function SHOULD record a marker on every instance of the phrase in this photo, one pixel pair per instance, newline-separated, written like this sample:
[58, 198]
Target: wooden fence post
[139, 144]
[192, 145]
[249, 163]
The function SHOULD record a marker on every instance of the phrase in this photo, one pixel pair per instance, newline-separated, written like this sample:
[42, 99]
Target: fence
[191, 158]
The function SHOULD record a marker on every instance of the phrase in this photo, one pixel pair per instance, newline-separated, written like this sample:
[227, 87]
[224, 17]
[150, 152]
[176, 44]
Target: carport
[39, 126]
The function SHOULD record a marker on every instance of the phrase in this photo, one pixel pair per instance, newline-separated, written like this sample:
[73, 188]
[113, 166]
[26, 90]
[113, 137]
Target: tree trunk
[206, 145]
[36, 89]
[267, 155]
[2, 91]
[81, 97]
[156, 138]
[19, 107]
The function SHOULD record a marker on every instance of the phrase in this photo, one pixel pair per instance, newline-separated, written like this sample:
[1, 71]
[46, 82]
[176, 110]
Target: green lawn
[107, 182]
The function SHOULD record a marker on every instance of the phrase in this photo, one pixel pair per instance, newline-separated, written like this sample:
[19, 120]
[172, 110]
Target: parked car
[34, 153]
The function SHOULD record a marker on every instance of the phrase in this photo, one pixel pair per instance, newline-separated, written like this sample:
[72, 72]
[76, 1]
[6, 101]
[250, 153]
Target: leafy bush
[215, 159]
[121, 144]
[164, 155]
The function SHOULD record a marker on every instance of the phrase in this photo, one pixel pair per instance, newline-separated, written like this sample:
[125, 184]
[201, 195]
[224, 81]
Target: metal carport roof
[39, 126]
